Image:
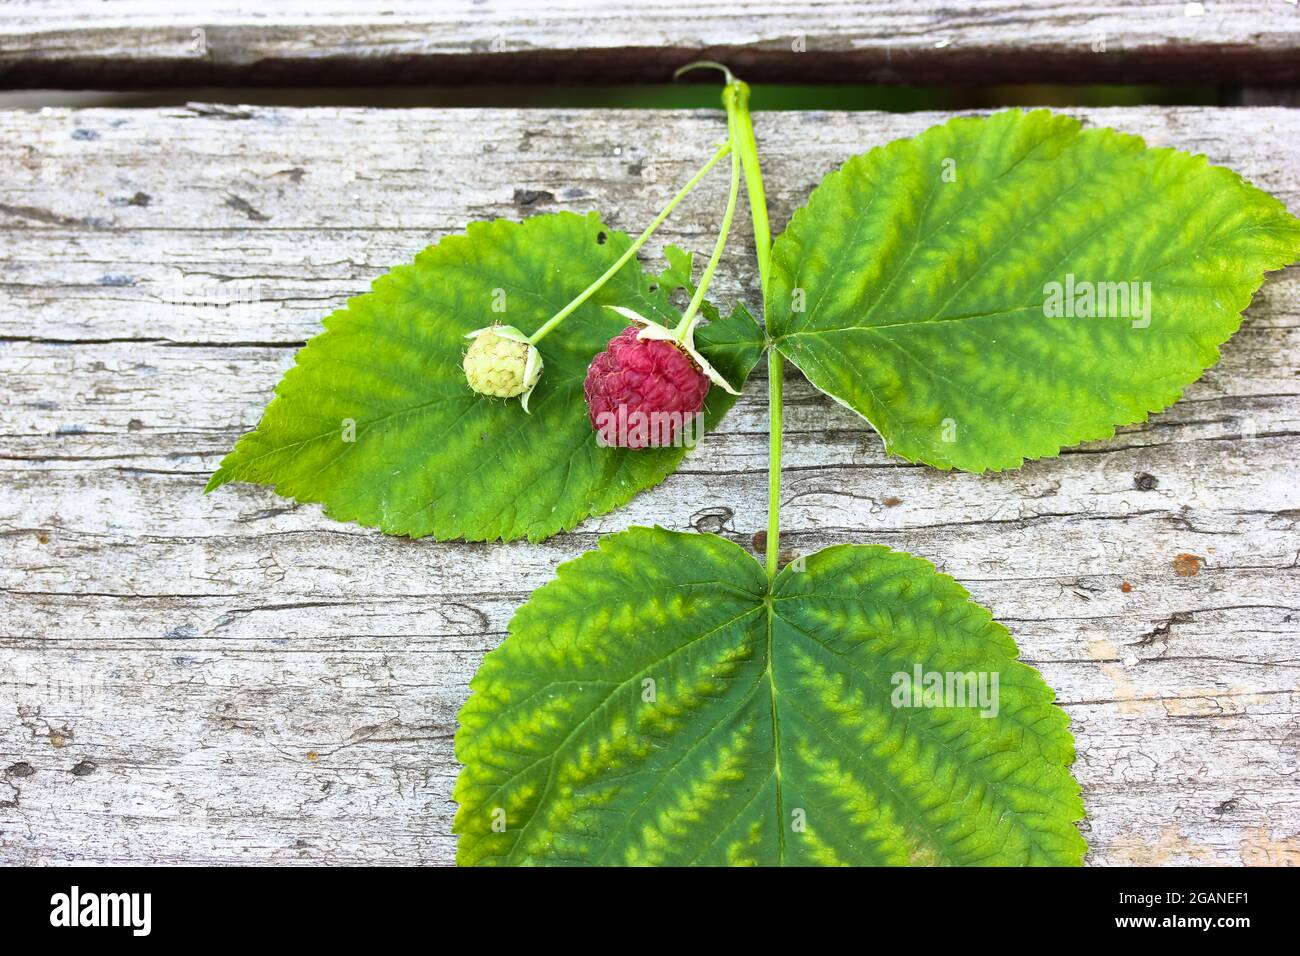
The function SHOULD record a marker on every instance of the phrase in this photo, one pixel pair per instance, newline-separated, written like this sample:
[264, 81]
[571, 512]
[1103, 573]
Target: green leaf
[430, 457]
[658, 704]
[680, 273]
[912, 287]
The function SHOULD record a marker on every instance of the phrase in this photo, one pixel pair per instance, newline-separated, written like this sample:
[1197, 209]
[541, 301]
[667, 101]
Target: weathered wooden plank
[84, 43]
[237, 679]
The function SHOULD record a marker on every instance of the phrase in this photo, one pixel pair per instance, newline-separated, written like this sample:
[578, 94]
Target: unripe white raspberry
[501, 363]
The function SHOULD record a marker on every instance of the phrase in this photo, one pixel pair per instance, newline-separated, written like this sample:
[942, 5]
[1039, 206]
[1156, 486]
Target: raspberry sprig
[650, 384]
[507, 363]
[648, 387]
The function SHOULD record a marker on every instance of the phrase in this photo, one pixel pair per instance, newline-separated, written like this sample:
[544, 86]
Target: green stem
[747, 147]
[682, 332]
[737, 100]
[775, 382]
[592, 289]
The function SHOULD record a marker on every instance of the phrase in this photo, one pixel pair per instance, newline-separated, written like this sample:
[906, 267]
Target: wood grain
[235, 679]
[148, 43]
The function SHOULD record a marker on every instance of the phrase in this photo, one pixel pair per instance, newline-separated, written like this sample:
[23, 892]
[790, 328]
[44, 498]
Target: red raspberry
[644, 393]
